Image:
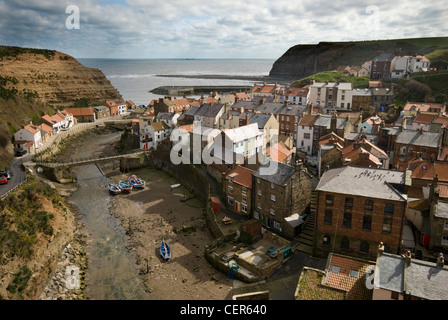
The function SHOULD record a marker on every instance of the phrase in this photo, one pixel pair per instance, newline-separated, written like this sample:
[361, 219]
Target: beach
[157, 212]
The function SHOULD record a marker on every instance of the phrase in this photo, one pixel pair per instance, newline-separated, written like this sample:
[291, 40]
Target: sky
[246, 29]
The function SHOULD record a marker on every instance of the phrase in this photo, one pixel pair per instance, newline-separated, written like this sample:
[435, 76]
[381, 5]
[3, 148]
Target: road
[18, 175]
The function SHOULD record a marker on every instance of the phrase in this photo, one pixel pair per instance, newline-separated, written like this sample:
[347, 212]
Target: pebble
[56, 288]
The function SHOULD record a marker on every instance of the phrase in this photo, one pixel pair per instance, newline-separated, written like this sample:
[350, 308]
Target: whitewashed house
[153, 134]
[29, 133]
[344, 95]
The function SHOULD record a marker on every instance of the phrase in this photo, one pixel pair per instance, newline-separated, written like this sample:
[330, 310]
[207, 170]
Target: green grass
[332, 76]
[13, 52]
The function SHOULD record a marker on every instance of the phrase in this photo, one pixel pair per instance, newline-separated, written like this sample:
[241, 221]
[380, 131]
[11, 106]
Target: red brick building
[357, 209]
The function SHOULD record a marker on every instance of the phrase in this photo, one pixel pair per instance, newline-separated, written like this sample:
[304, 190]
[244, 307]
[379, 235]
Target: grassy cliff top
[12, 52]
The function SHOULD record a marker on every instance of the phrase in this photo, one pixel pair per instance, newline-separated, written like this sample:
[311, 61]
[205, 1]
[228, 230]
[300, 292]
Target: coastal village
[357, 182]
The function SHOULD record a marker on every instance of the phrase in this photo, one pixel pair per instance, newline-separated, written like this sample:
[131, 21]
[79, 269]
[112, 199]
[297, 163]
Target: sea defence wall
[197, 90]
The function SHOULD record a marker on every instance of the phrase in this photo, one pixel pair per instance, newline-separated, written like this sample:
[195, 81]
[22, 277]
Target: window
[230, 189]
[354, 274]
[244, 197]
[259, 192]
[394, 295]
[345, 244]
[364, 247]
[259, 205]
[329, 200]
[348, 203]
[335, 269]
[272, 211]
[388, 215]
[445, 240]
[230, 200]
[368, 205]
[328, 217]
[306, 136]
[276, 225]
[445, 225]
[244, 207]
[272, 185]
[367, 221]
[273, 197]
[347, 221]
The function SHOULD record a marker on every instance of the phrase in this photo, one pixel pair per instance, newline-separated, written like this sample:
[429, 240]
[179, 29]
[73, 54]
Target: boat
[125, 186]
[165, 250]
[114, 189]
[174, 186]
[136, 182]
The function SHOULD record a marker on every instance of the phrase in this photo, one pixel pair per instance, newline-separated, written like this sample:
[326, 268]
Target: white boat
[174, 186]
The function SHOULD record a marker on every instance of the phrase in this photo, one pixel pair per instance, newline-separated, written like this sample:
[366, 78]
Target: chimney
[309, 108]
[407, 257]
[440, 260]
[333, 124]
[381, 248]
[403, 125]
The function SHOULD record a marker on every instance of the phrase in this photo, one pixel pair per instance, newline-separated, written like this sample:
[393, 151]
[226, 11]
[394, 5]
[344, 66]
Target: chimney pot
[381, 248]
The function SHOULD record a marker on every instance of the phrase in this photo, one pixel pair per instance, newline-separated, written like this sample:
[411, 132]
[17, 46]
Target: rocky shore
[67, 283]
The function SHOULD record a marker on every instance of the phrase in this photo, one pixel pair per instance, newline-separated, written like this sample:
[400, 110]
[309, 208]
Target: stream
[112, 273]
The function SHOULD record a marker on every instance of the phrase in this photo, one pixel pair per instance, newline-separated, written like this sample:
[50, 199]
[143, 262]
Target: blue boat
[114, 189]
[165, 250]
[124, 186]
[136, 182]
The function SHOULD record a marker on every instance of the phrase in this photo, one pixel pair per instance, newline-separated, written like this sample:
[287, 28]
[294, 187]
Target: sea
[135, 78]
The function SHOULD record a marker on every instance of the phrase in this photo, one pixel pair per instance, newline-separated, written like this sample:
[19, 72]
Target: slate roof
[281, 176]
[249, 105]
[260, 119]
[292, 110]
[325, 121]
[365, 182]
[417, 138]
[270, 107]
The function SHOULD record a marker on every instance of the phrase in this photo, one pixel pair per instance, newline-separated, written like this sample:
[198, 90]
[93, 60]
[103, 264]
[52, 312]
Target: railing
[87, 160]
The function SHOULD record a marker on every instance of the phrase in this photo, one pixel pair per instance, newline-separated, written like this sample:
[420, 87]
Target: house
[28, 138]
[414, 108]
[242, 145]
[289, 118]
[46, 132]
[423, 121]
[362, 99]
[329, 155]
[364, 149]
[383, 98]
[418, 63]
[116, 107]
[344, 96]
[357, 208]
[281, 197]
[279, 153]
[267, 124]
[325, 124]
[402, 277]
[371, 125]
[381, 65]
[387, 137]
[349, 274]
[169, 118]
[323, 94]
[208, 114]
[304, 140]
[153, 134]
[237, 187]
[412, 143]
[270, 108]
[439, 123]
[244, 106]
[102, 112]
[83, 114]
[57, 122]
[266, 90]
[68, 118]
[297, 96]
[230, 119]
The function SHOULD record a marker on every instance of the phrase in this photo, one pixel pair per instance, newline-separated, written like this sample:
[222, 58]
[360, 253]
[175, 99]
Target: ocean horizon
[135, 78]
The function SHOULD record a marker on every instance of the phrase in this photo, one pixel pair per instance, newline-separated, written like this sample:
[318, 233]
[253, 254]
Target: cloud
[232, 28]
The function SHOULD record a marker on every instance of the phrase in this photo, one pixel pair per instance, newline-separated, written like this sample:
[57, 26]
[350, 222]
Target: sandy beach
[156, 212]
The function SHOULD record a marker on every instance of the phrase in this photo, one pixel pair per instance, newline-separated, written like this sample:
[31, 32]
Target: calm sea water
[135, 78]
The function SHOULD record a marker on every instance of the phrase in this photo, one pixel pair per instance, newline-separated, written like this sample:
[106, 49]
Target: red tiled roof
[307, 120]
[425, 118]
[354, 286]
[443, 190]
[279, 152]
[46, 127]
[242, 176]
[296, 92]
[32, 128]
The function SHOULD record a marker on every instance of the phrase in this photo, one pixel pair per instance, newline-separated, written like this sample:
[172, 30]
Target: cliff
[304, 60]
[54, 77]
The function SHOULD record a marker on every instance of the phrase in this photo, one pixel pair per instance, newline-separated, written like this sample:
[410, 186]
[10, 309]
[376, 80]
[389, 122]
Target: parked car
[6, 174]
[3, 180]
[20, 153]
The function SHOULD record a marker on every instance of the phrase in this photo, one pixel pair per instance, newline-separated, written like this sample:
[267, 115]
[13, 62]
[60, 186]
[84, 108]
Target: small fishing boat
[174, 186]
[114, 189]
[165, 250]
[136, 182]
[124, 186]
